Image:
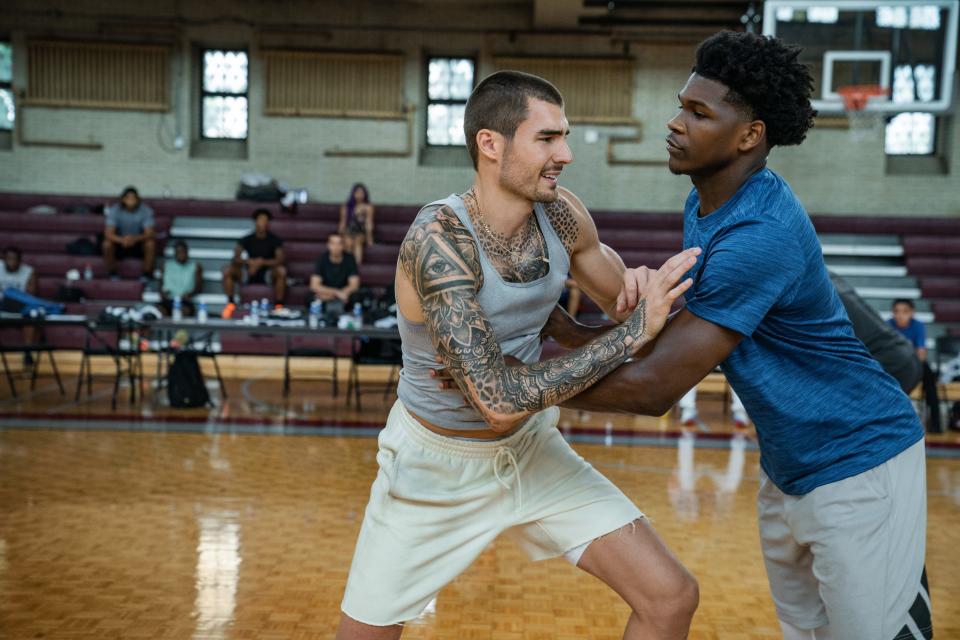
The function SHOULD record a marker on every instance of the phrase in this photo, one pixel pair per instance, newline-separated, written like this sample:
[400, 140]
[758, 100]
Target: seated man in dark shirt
[335, 277]
[257, 259]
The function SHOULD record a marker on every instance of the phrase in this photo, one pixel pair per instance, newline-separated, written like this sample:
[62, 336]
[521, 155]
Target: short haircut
[12, 249]
[905, 301]
[335, 234]
[181, 244]
[765, 81]
[130, 189]
[499, 103]
[262, 212]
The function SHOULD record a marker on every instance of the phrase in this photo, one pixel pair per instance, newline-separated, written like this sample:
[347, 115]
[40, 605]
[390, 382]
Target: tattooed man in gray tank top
[479, 274]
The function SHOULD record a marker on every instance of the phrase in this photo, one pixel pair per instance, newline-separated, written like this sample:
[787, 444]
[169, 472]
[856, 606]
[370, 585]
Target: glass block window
[912, 133]
[916, 17]
[7, 109]
[224, 95]
[825, 15]
[449, 83]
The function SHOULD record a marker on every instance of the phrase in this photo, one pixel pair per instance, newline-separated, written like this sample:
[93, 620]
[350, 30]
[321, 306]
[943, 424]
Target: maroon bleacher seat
[58, 264]
[303, 251]
[931, 245]
[377, 275]
[638, 220]
[391, 232]
[35, 242]
[303, 231]
[899, 225]
[381, 253]
[946, 311]
[933, 266]
[400, 214]
[940, 287]
[624, 240]
[47, 287]
[77, 223]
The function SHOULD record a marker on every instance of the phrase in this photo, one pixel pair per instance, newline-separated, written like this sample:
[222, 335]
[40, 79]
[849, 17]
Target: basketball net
[863, 123]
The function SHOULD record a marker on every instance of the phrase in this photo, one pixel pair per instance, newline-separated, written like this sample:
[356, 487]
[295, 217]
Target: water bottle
[313, 320]
[87, 272]
[320, 321]
[264, 309]
[202, 313]
[177, 309]
[254, 316]
[358, 315]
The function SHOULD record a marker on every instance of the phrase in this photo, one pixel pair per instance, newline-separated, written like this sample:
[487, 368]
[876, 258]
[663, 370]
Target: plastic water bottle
[177, 309]
[358, 315]
[313, 320]
[202, 313]
[320, 321]
[87, 272]
[254, 316]
[264, 309]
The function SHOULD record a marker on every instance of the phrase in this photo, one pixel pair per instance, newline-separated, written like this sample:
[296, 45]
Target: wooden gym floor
[239, 522]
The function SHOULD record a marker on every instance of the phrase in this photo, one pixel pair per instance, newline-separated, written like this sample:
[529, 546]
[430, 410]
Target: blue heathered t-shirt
[824, 409]
[915, 332]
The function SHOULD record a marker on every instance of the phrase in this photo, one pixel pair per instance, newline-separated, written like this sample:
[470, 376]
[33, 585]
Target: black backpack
[185, 384]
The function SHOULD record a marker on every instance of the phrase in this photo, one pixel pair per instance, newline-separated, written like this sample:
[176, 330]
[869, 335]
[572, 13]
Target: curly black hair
[764, 79]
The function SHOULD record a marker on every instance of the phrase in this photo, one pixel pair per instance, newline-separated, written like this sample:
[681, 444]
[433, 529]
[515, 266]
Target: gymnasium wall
[829, 172]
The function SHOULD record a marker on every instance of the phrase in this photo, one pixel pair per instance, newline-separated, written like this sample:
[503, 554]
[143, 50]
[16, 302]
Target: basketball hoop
[862, 122]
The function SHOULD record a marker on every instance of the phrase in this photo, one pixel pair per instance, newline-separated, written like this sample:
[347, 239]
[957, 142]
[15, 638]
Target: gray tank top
[517, 312]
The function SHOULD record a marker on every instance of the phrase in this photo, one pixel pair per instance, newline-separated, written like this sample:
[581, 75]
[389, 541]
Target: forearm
[629, 389]
[322, 290]
[506, 395]
[663, 370]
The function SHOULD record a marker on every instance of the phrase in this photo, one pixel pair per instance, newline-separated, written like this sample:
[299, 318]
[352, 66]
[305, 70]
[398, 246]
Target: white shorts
[851, 553]
[437, 502]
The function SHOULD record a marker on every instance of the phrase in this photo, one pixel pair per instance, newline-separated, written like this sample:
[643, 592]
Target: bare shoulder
[570, 219]
[437, 237]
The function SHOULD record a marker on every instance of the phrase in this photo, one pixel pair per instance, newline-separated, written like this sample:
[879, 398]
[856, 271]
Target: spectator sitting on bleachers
[356, 221]
[16, 275]
[257, 259]
[182, 278]
[915, 331]
[335, 276]
[129, 234]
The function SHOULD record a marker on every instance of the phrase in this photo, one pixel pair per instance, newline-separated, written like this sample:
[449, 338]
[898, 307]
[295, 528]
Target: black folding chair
[373, 351]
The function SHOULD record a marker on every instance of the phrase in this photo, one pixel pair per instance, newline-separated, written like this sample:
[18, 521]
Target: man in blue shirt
[915, 331]
[842, 502]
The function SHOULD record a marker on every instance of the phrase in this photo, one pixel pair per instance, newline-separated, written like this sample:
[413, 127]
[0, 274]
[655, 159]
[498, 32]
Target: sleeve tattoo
[440, 258]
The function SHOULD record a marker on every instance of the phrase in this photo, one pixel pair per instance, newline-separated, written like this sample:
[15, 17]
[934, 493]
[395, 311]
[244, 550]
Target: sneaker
[228, 311]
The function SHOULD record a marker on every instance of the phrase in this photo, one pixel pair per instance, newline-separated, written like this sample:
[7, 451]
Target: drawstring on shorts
[506, 457]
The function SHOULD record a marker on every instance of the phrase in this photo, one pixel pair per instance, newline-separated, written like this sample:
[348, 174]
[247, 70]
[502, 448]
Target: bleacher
[884, 258]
